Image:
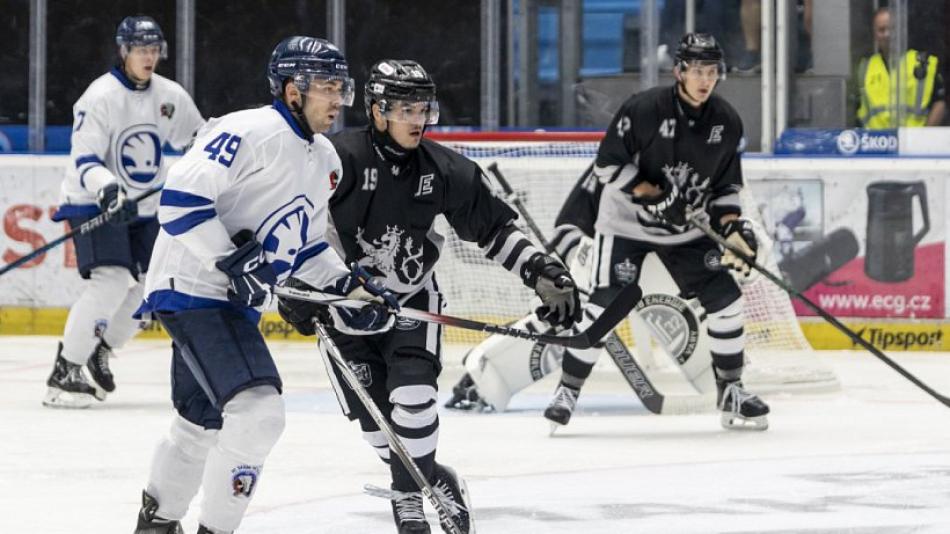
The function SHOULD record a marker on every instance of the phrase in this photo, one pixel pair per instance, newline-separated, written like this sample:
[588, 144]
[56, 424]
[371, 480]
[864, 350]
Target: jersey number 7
[227, 142]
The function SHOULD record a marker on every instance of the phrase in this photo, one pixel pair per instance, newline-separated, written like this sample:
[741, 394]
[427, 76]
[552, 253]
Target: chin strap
[388, 147]
[297, 111]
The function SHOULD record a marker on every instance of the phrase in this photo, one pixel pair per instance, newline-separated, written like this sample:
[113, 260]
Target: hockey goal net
[542, 169]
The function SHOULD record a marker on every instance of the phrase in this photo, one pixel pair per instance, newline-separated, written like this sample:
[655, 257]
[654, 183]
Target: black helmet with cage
[700, 48]
[401, 81]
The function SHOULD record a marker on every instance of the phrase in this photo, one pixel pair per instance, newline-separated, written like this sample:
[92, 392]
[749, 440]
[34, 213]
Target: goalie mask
[403, 91]
[140, 31]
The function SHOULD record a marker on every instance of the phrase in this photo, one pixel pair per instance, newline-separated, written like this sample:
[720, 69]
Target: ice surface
[873, 458]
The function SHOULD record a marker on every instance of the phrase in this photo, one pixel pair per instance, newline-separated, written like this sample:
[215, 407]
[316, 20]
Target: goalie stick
[694, 219]
[395, 444]
[84, 228]
[613, 314]
[638, 380]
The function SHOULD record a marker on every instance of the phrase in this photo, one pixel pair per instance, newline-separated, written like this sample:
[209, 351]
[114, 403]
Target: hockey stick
[651, 398]
[693, 218]
[84, 228]
[395, 444]
[613, 314]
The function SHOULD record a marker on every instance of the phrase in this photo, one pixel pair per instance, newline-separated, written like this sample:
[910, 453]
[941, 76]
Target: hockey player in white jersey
[244, 209]
[120, 124]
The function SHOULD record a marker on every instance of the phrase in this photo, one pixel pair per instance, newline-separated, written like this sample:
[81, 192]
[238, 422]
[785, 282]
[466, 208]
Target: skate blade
[101, 393]
[553, 428]
[57, 398]
[737, 422]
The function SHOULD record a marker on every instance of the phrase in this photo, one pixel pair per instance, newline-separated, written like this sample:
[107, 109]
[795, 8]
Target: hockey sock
[378, 441]
[727, 339]
[415, 419]
[123, 327]
[91, 315]
[253, 422]
[177, 466]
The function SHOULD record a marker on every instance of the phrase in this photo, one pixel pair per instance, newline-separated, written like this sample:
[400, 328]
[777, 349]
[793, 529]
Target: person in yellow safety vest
[923, 93]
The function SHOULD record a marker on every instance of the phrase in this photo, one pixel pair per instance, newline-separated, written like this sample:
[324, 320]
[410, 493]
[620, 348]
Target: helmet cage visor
[412, 111]
[703, 69]
[321, 85]
[126, 44]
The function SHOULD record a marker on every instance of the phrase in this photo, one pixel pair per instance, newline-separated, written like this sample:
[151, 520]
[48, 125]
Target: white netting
[542, 174]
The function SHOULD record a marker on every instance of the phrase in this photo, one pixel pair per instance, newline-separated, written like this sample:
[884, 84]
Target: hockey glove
[374, 318]
[301, 313]
[668, 206]
[112, 198]
[560, 302]
[250, 276]
[740, 234]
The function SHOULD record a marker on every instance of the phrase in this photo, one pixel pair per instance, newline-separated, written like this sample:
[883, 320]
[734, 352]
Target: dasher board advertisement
[865, 239]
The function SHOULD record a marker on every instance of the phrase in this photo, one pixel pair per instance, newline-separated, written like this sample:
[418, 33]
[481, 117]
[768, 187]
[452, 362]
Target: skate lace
[736, 397]
[565, 398]
[447, 496]
[408, 505]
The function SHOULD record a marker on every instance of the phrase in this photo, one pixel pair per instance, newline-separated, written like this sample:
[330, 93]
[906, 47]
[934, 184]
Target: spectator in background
[923, 98]
[750, 13]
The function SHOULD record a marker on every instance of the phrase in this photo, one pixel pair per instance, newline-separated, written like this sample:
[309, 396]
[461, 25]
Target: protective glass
[332, 88]
[704, 70]
[410, 111]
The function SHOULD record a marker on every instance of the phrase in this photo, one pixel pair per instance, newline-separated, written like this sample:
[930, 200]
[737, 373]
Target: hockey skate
[562, 406]
[98, 365]
[741, 410]
[149, 523]
[67, 385]
[465, 397]
[408, 513]
[453, 492]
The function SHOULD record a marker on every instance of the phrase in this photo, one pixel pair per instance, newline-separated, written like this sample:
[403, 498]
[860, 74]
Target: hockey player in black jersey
[394, 185]
[666, 151]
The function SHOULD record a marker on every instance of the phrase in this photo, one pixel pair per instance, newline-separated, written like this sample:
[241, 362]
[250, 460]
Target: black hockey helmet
[140, 30]
[402, 80]
[701, 47]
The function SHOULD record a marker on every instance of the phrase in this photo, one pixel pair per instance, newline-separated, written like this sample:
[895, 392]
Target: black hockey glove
[301, 313]
[560, 302]
[112, 198]
[250, 276]
[374, 318]
[740, 234]
[669, 206]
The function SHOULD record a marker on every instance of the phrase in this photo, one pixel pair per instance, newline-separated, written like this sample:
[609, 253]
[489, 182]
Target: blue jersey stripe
[181, 199]
[88, 158]
[188, 221]
[306, 254]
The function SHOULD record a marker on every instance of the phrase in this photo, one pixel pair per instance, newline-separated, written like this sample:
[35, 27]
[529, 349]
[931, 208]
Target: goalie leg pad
[501, 366]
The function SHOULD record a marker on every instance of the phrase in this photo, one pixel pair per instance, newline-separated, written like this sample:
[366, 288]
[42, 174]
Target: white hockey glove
[740, 234]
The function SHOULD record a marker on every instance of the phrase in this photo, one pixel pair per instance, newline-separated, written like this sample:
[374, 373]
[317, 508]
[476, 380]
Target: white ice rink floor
[872, 458]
